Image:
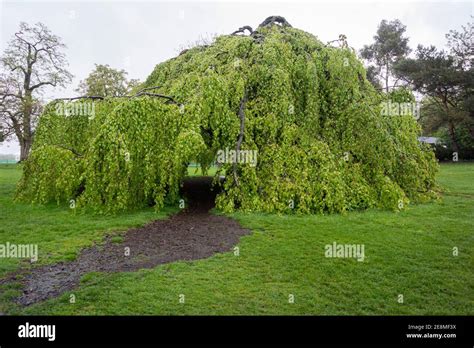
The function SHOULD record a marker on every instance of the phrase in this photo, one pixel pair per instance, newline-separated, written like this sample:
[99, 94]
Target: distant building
[429, 140]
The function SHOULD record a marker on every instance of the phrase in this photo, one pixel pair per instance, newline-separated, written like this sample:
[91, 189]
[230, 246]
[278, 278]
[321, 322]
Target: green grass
[60, 232]
[408, 253]
[196, 171]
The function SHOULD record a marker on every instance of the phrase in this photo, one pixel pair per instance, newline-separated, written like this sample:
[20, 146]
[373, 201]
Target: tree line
[444, 79]
[34, 59]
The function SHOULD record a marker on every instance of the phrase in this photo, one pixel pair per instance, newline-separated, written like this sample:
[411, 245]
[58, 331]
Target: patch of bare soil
[191, 234]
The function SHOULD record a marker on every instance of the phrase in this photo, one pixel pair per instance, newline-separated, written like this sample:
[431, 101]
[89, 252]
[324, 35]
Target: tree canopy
[389, 46]
[306, 108]
[105, 81]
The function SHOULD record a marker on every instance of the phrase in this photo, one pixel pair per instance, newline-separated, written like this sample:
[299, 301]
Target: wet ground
[191, 234]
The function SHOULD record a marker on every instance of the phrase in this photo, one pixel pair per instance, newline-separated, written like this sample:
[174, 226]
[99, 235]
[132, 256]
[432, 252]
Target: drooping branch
[82, 97]
[242, 30]
[183, 51]
[140, 93]
[148, 89]
[240, 138]
[159, 95]
[69, 149]
[167, 97]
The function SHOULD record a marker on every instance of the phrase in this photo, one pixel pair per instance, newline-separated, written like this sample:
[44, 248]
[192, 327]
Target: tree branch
[42, 84]
[241, 30]
[69, 149]
[139, 94]
[241, 115]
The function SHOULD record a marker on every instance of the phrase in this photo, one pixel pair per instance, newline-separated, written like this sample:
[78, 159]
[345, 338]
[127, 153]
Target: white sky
[136, 36]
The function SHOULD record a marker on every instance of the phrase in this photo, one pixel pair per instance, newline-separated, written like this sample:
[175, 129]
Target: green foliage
[51, 174]
[309, 112]
[105, 81]
[389, 46]
[465, 140]
[401, 95]
[446, 79]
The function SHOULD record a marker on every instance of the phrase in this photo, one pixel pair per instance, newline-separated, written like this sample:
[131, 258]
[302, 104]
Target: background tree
[389, 46]
[446, 79]
[105, 81]
[32, 60]
[372, 77]
[461, 45]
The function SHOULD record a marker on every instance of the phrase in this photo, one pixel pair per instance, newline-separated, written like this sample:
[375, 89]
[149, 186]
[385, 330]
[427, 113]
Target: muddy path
[191, 234]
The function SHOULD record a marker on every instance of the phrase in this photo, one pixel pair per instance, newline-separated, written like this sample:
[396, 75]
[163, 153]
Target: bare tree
[32, 60]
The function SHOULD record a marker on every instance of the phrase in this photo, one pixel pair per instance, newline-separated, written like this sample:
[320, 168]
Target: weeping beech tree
[306, 108]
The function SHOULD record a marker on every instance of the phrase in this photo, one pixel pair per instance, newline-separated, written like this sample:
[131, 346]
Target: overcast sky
[135, 36]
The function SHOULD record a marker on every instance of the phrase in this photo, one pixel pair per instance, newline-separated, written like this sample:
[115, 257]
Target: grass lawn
[408, 253]
[197, 171]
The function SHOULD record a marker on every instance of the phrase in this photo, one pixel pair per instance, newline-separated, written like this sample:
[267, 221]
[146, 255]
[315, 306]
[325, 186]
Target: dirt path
[190, 234]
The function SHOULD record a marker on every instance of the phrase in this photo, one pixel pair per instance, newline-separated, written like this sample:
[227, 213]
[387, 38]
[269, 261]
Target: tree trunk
[26, 139]
[452, 135]
[25, 146]
[451, 127]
